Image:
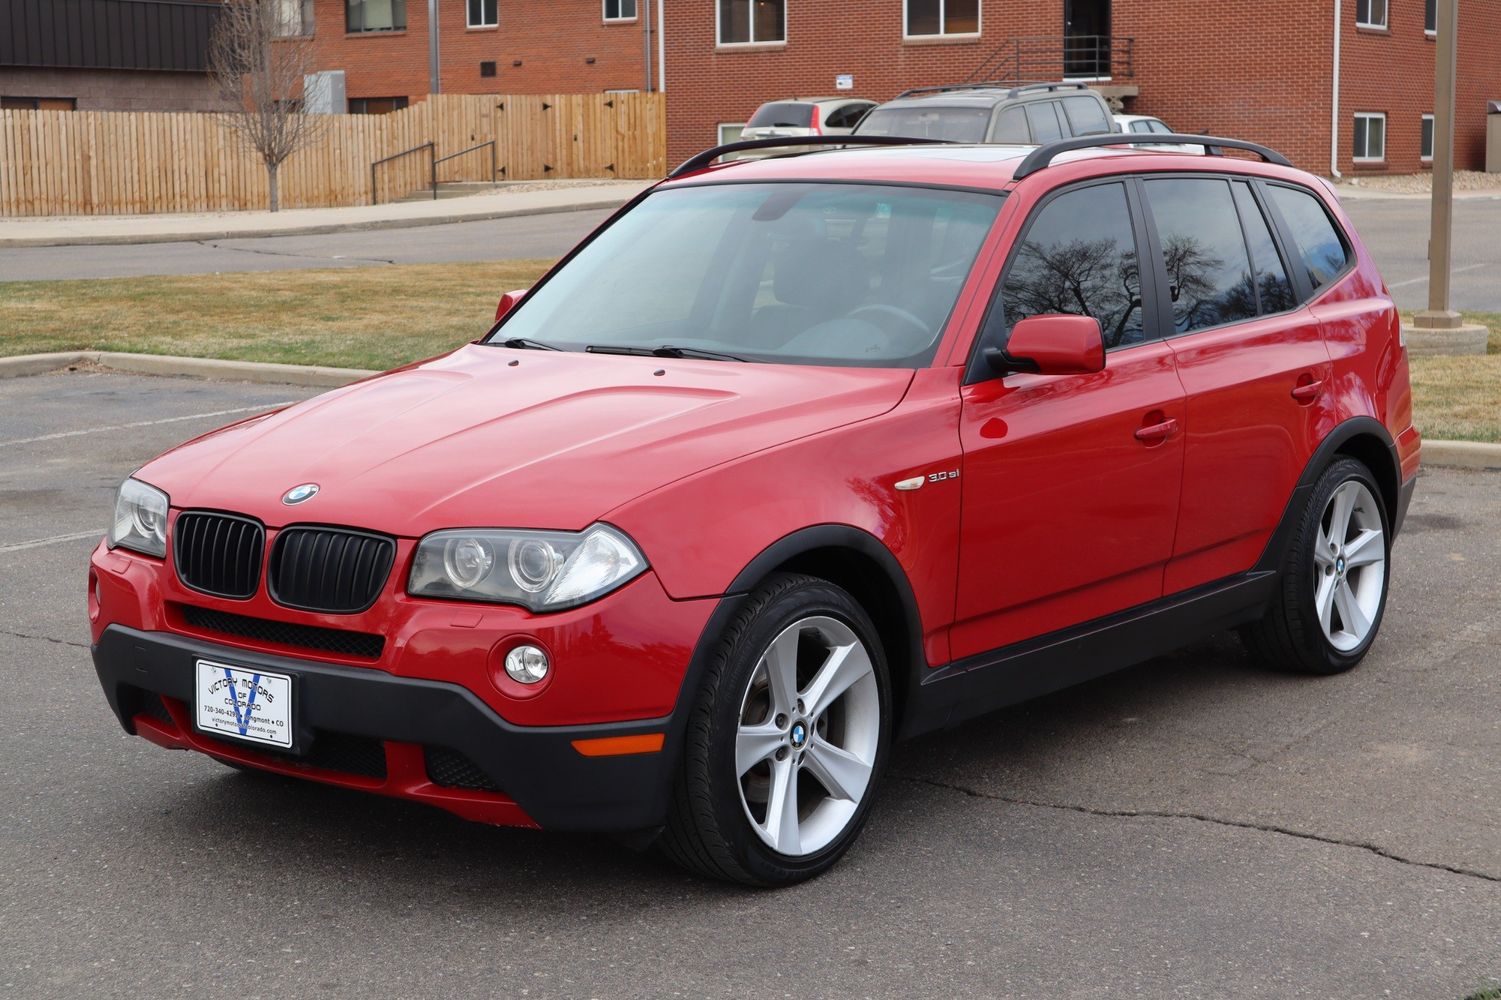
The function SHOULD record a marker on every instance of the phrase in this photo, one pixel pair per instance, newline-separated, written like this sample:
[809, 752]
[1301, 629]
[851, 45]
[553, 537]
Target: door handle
[1153, 433]
[1307, 392]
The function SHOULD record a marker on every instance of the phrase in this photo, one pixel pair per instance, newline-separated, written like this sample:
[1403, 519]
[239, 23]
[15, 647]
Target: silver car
[799, 116]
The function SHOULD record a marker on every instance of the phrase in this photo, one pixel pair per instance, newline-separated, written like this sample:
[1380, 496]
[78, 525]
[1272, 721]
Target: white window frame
[1367, 158]
[720, 43]
[492, 24]
[943, 19]
[1370, 6]
[605, 16]
[719, 132]
[1432, 139]
[285, 27]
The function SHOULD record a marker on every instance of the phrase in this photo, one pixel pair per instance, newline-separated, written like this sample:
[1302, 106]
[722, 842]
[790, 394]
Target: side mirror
[1053, 344]
[508, 302]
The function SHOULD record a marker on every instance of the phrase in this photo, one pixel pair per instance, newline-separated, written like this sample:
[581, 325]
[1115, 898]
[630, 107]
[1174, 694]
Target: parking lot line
[52, 540]
[144, 423]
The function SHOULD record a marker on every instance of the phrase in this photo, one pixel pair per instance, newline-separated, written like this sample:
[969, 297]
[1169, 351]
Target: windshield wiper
[663, 351]
[527, 344]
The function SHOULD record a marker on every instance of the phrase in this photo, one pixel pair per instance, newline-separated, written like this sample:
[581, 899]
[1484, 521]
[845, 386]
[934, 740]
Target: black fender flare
[1388, 475]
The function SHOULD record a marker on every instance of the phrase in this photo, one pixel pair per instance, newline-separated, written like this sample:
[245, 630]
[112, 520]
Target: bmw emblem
[298, 494]
[799, 735]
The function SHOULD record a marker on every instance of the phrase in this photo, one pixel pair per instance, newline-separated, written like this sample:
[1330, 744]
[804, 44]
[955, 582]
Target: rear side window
[1273, 290]
[1086, 115]
[1322, 251]
[1011, 126]
[782, 114]
[957, 124]
[1141, 126]
[1203, 252]
[847, 116]
[1044, 122]
[1079, 257]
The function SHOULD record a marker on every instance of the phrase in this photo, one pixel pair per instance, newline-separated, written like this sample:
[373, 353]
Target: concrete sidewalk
[523, 199]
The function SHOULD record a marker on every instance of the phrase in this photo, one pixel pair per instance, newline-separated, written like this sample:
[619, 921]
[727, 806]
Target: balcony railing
[1052, 57]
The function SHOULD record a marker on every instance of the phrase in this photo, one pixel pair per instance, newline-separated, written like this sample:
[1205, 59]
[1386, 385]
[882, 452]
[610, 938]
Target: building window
[620, 10]
[1370, 137]
[376, 105]
[1425, 144]
[484, 13]
[746, 22]
[1430, 17]
[941, 17]
[293, 18]
[375, 15]
[38, 104]
[1370, 13]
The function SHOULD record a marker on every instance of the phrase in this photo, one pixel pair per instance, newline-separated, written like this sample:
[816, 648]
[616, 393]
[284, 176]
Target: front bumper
[520, 775]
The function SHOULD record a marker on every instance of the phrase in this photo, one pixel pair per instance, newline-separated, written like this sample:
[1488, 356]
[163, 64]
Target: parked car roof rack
[708, 156]
[1042, 156]
[1011, 87]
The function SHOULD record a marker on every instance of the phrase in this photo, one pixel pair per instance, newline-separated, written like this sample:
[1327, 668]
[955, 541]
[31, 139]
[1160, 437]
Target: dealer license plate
[245, 704]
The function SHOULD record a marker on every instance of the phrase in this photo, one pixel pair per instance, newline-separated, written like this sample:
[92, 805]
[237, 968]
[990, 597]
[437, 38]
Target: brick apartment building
[1259, 71]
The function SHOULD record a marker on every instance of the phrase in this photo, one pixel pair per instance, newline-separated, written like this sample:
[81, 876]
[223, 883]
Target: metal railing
[432, 167]
[494, 164]
[1052, 57]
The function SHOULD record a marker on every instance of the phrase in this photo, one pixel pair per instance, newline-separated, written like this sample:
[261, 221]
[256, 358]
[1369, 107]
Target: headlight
[140, 519]
[540, 570]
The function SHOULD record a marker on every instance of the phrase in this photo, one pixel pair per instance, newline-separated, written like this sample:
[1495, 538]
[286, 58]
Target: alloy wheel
[1349, 566]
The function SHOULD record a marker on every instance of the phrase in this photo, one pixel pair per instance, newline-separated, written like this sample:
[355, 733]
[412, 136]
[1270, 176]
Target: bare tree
[260, 73]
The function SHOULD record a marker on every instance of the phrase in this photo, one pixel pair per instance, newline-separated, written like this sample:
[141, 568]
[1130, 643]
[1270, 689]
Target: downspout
[646, 43]
[661, 45]
[434, 57]
[1334, 114]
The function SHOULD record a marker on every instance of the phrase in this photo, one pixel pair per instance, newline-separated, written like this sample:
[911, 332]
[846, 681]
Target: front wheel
[787, 740]
[1332, 594]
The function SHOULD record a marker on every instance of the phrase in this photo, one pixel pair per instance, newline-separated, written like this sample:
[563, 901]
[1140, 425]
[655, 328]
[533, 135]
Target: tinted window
[1203, 252]
[1086, 115]
[1319, 246]
[1011, 126]
[958, 124]
[787, 114]
[1142, 126]
[843, 274]
[1044, 122]
[1079, 257]
[847, 116]
[1274, 291]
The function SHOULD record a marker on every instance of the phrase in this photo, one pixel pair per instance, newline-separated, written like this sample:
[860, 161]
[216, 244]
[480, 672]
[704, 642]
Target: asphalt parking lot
[1193, 827]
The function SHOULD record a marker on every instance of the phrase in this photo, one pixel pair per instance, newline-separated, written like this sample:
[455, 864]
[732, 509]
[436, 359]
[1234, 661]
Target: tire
[1331, 594]
[754, 736]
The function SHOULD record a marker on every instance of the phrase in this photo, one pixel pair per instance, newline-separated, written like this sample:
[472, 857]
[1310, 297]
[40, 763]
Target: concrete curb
[166, 364]
[1439, 454]
[199, 235]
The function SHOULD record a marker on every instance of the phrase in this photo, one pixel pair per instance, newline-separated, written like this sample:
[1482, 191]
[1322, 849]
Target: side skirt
[988, 681]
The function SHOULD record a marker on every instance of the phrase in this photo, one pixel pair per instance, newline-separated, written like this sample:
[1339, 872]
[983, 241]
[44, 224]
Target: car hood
[488, 436]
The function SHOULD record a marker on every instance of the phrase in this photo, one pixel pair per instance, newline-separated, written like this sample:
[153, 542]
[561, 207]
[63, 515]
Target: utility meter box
[323, 93]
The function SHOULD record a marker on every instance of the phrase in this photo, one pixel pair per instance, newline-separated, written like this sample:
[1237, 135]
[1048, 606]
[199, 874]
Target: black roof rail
[1042, 156]
[1011, 87]
[708, 156]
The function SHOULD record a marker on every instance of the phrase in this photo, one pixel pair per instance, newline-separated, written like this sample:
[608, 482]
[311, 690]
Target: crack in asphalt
[44, 638]
[282, 253]
[1375, 849]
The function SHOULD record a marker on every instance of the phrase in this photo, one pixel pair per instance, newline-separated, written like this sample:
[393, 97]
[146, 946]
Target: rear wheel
[787, 741]
[1332, 594]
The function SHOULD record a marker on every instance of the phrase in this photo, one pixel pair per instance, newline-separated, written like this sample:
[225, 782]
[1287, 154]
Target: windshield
[783, 114]
[828, 274]
[954, 124]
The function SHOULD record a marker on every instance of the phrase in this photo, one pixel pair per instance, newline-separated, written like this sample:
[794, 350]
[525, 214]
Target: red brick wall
[552, 39]
[1256, 71]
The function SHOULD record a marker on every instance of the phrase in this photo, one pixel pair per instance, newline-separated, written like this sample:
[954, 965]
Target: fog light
[526, 664]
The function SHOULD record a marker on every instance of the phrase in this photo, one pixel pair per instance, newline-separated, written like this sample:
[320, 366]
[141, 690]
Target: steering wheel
[890, 312]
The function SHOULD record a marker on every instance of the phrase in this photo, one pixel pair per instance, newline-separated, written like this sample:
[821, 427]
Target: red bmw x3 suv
[791, 458]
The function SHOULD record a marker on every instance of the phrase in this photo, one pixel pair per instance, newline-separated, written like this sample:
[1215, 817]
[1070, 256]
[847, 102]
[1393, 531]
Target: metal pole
[434, 50]
[1438, 315]
[646, 41]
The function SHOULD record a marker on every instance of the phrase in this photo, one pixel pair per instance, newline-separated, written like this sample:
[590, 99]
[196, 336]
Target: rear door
[1253, 363]
[1069, 482]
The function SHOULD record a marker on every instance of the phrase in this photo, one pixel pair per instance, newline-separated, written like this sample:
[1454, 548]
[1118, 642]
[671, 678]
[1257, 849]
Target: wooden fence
[119, 162]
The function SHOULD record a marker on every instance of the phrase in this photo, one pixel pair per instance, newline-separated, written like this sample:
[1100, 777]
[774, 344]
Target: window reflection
[1203, 251]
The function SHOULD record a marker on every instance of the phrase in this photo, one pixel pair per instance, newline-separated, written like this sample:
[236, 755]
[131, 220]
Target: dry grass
[369, 317]
[1459, 398]
[386, 316]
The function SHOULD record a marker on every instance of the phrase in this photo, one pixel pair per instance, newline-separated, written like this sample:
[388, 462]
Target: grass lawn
[380, 317]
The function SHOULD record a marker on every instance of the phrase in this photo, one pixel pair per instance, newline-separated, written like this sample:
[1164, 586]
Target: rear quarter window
[786, 114]
[1322, 250]
[1086, 115]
